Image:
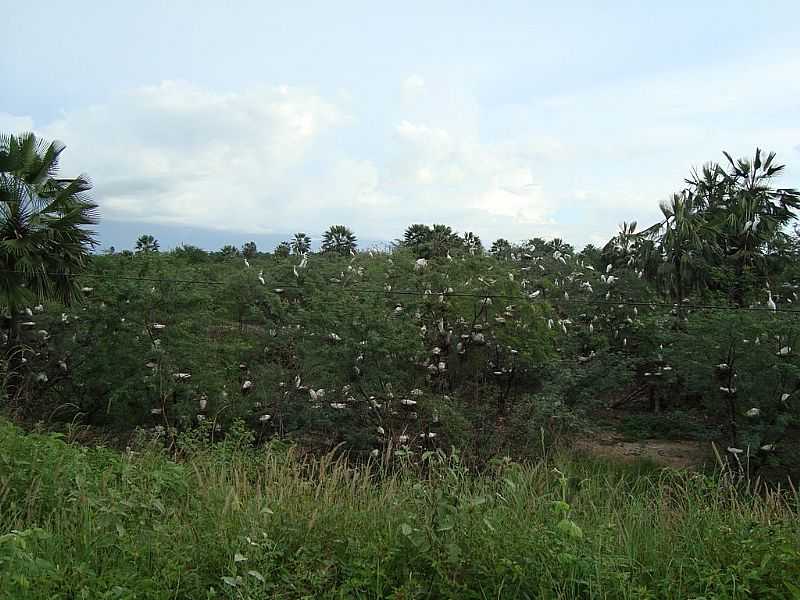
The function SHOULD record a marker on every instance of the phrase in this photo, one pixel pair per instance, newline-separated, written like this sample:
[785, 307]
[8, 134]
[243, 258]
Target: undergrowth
[230, 521]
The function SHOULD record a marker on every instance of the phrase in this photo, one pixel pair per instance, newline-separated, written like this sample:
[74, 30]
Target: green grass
[231, 522]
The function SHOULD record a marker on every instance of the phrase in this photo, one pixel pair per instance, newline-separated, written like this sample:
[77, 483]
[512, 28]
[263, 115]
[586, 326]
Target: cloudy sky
[208, 120]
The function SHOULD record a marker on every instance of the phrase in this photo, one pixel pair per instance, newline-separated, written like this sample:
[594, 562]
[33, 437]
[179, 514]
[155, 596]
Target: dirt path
[669, 453]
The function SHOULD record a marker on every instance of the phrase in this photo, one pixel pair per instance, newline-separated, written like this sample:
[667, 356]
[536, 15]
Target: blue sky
[212, 121]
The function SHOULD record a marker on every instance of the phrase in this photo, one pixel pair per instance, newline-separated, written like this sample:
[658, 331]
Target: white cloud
[181, 154]
[12, 123]
[413, 85]
[282, 159]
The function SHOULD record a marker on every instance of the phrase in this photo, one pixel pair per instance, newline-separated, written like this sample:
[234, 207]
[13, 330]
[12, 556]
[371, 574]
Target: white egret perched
[770, 302]
[261, 277]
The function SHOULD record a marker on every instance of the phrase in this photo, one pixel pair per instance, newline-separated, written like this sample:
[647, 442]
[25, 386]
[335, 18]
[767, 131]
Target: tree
[749, 215]
[249, 250]
[443, 240]
[501, 248]
[192, 254]
[146, 244]
[685, 241]
[472, 243]
[417, 237]
[229, 251]
[338, 239]
[44, 227]
[283, 249]
[300, 243]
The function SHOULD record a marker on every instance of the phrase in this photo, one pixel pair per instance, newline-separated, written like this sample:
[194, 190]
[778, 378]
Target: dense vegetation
[231, 521]
[391, 365]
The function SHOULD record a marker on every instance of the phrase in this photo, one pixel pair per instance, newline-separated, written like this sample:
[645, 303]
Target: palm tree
[300, 243]
[282, 249]
[443, 239]
[418, 237]
[146, 244]
[749, 214]
[45, 239]
[501, 249]
[338, 239]
[685, 241]
[472, 243]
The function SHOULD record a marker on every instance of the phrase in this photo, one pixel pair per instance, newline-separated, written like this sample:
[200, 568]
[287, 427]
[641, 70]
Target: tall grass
[232, 522]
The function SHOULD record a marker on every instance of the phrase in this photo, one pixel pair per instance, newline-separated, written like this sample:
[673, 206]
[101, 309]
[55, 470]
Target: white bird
[261, 277]
[608, 268]
[770, 301]
[753, 412]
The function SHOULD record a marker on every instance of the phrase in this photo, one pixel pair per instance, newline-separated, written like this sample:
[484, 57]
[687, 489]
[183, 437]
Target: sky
[212, 122]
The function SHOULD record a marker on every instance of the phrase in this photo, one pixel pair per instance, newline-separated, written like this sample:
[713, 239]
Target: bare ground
[679, 454]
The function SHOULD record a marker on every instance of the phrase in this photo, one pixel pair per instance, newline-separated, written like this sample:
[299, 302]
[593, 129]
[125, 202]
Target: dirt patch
[678, 454]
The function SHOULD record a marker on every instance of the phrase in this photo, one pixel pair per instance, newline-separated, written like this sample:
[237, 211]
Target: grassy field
[234, 522]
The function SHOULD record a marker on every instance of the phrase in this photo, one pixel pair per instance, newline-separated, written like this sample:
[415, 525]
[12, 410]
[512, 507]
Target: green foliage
[233, 522]
[44, 220]
[146, 244]
[338, 239]
[249, 250]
